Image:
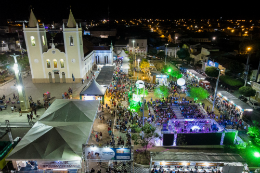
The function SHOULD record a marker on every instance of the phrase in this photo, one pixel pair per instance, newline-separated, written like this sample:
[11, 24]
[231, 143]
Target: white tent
[60, 132]
[122, 54]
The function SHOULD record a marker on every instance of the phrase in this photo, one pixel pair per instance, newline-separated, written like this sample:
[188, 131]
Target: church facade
[50, 65]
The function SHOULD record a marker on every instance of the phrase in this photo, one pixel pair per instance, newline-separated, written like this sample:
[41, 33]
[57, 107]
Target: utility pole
[166, 53]
[247, 66]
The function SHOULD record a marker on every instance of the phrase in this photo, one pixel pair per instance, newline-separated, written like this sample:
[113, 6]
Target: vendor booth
[55, 141]
[192, 74]
[186, 162]
[205, 84]
[93, 92]
[159, 78]
[240, 106]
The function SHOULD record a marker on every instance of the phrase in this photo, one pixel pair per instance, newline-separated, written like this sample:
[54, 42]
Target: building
[140, 46]
[172, 51]
[256, 86]
[68, 65]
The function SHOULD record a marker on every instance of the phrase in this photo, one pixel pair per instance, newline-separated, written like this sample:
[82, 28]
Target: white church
[50, 65]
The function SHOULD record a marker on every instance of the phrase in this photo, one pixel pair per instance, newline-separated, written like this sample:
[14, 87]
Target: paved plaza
[36, 91]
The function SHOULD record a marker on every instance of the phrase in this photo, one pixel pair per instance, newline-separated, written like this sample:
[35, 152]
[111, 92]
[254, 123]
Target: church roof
[32, 21]
[71, 21]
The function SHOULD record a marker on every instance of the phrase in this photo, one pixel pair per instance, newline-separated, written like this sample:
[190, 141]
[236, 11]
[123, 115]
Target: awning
[196, 74]
[105, 75]
[240, 104]
[196, 157]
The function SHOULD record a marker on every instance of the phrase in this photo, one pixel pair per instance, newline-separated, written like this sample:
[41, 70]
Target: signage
[213, 64]
[161, 76]
[206, 164]
[95, 153]
[59, 164]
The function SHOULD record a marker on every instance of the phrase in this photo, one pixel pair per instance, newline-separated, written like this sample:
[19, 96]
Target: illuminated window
[43, 40]
[61, 63]
[32, 40]
[71, 41]
[48, 63]
[55, 63]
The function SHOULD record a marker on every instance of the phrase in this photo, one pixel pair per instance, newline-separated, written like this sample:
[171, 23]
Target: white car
[254, 104]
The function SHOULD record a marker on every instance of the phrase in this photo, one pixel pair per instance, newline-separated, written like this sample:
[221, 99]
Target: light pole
[247, 66]
[215, 94]
[133, 46]
[143, 104]
[176, 39]
[24, 103]
[166, 53]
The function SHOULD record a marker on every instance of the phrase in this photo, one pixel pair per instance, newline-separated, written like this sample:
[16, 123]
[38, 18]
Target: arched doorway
[50, 77]
[63, 77]
[57, 77]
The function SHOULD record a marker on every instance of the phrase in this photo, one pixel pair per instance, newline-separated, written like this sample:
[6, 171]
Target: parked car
[254, 104]
[242, 98]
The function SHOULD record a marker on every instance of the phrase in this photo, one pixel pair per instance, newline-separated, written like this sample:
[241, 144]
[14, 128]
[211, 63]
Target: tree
[161, 54]
[254, 133]
[236, 67]
[247, 91]
[183, 53]
[198, 93]
[3, 75]
[161, 91]
[212, 71]
[145, 65]
[147, 134]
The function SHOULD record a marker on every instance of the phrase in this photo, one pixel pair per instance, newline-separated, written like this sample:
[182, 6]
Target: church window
[48, 63]
[71, 41]
[43, 40]
[32, 40]
[61, 63]
[55, 63]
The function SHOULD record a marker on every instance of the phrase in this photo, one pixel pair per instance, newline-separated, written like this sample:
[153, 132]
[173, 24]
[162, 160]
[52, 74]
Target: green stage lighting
[169, 70]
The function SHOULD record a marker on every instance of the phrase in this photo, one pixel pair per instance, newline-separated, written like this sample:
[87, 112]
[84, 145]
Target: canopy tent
[94, 89]
[196, 74]
[123, 54]
[60, 132]
[240, 104]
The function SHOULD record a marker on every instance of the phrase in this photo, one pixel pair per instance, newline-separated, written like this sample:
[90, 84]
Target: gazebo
[93, 92]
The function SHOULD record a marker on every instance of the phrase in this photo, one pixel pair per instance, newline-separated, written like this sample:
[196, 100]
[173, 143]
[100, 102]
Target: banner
[213, 64]
[59, 164]
[94, 153]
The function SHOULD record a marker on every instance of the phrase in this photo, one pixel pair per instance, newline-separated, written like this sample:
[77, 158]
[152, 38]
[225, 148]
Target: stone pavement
[36, 91]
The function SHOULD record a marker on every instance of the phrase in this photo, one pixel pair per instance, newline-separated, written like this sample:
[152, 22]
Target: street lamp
[176, 39]
[247, 66]
[24, 103]
[214, 38]
[215, 94]
[133, 46]
[166, 53]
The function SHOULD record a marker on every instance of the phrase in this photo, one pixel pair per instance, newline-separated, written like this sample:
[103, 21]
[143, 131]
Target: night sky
[57, 10]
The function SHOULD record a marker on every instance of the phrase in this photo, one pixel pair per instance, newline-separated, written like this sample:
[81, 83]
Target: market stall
[205, 84]
[231, 100]
[197, 161]
[192, 74]
[93, 92]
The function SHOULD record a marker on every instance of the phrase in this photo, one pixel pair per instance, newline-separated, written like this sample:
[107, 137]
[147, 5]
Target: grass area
[231, 81]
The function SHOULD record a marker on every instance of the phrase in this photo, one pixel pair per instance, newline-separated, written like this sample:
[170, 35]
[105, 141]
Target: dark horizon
[56, 11]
